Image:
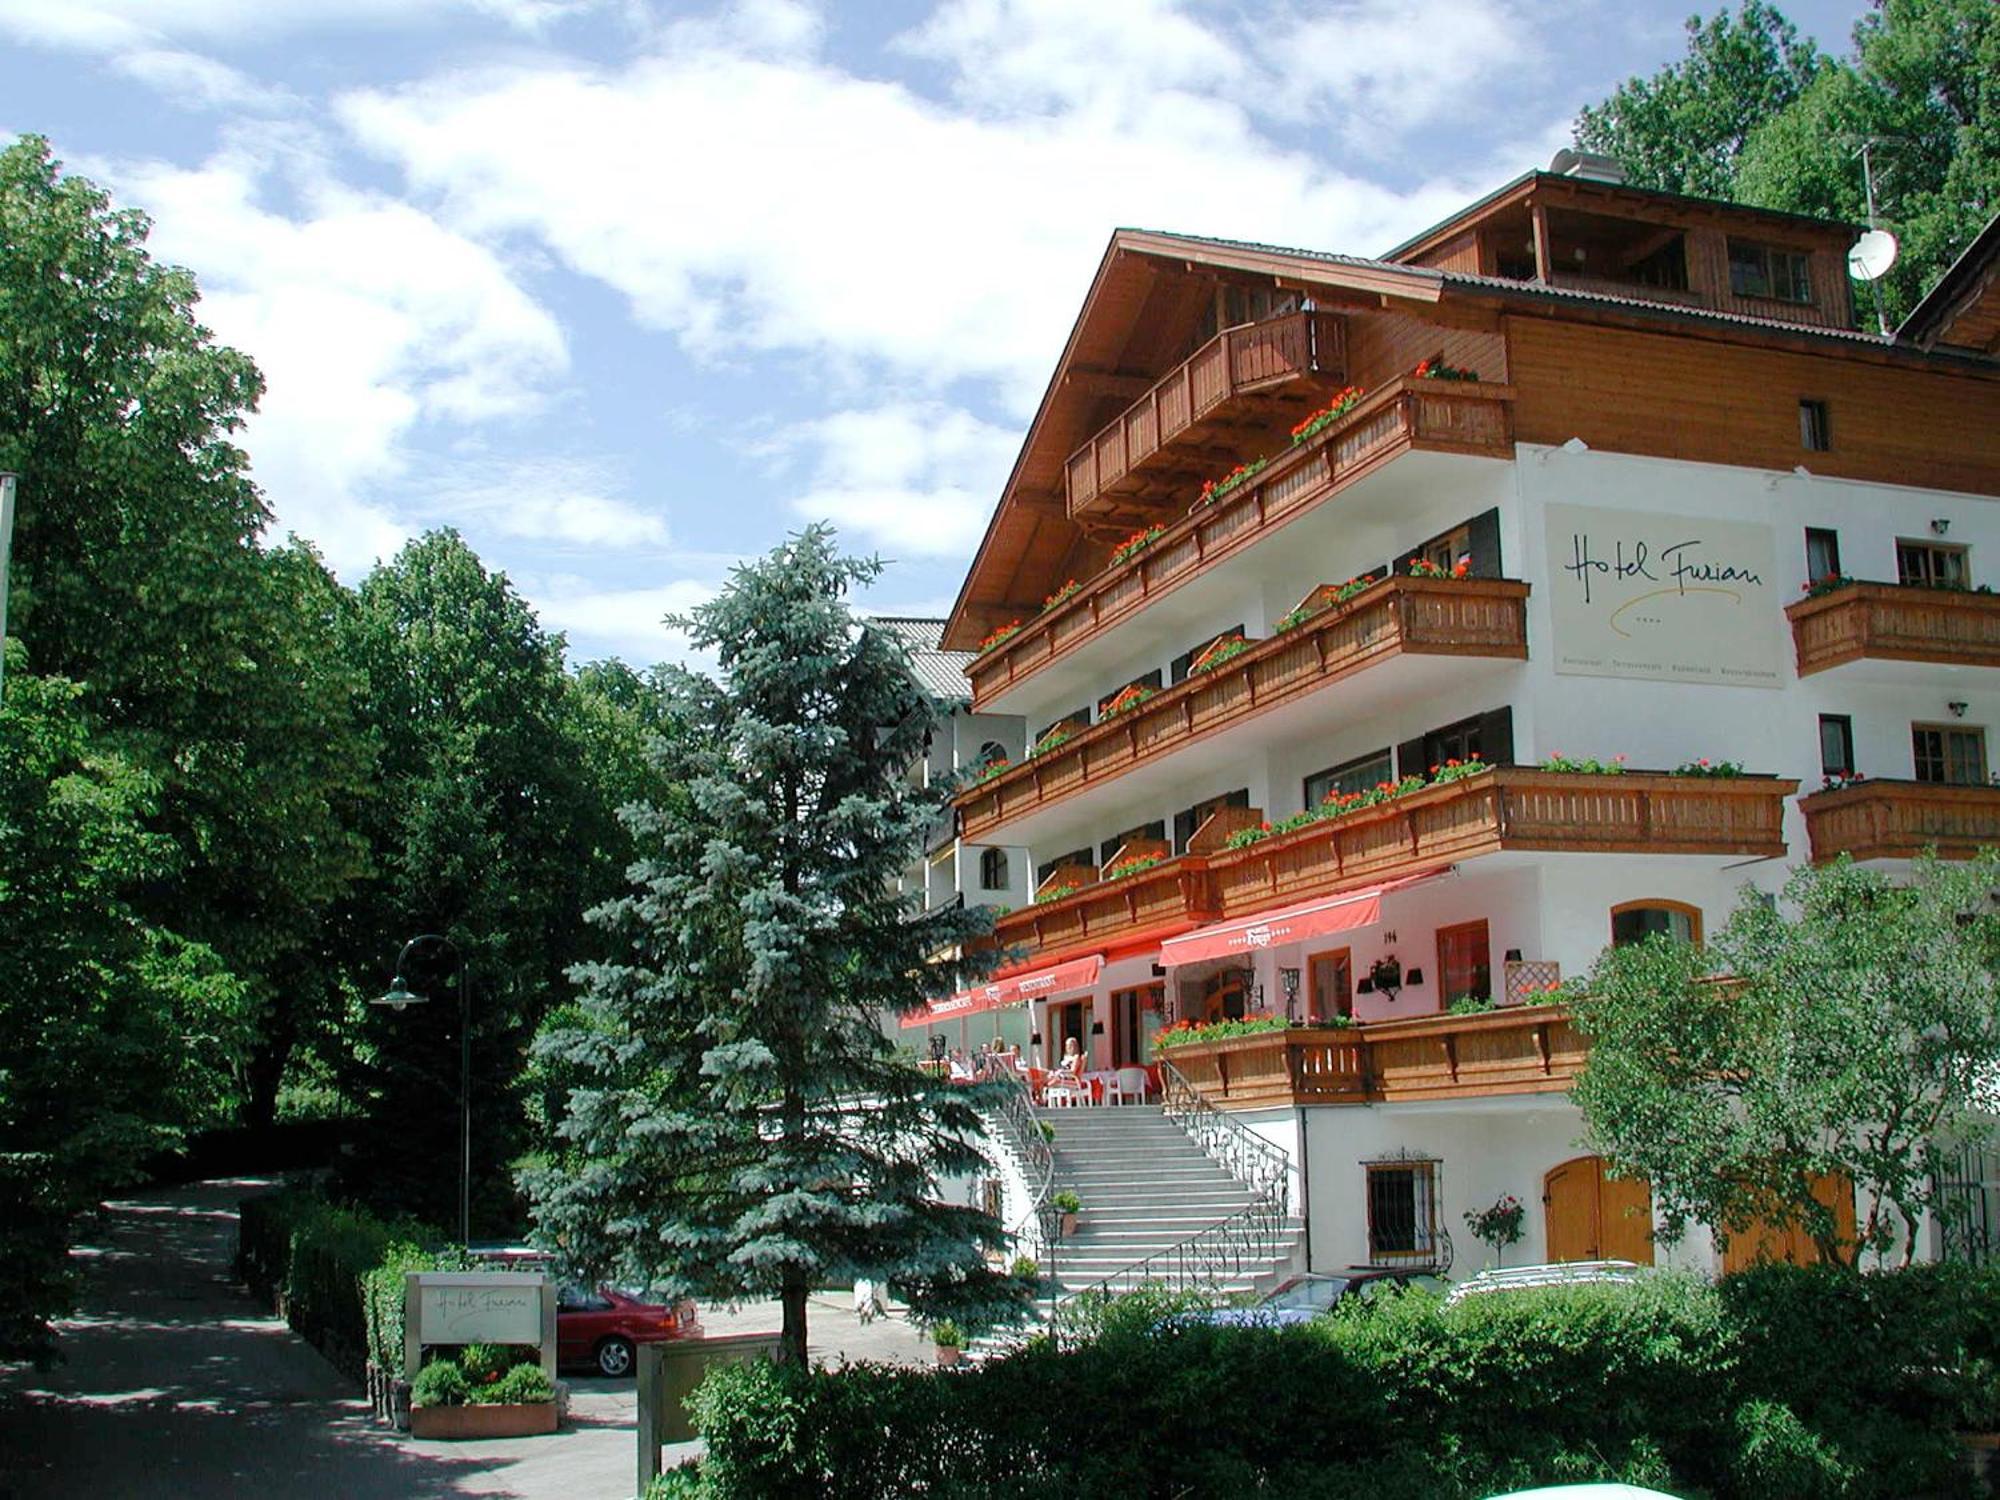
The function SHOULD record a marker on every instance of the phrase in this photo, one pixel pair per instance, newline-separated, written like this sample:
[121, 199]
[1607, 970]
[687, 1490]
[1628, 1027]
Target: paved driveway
[179, 1384]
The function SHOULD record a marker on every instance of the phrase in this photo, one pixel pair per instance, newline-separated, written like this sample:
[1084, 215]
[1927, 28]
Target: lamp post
[399, 998]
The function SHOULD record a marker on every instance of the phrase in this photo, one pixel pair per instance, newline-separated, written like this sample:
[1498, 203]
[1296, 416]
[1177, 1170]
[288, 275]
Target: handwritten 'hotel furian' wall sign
[1663, 598]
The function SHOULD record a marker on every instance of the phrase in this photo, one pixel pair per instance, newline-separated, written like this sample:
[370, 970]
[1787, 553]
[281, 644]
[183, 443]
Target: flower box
[489, 1419]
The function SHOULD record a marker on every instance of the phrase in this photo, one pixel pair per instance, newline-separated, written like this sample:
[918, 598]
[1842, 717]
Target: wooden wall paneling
[1711, 402]
[1381, 346]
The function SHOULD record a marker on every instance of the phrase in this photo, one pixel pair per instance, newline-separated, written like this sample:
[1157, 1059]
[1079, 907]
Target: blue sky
[627, 290]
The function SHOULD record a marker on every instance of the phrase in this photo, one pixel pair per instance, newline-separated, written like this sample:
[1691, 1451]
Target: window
[1076, 718]
[1836, 745]
[1177, 672]
[1757, 270]
[993, 869]
[1945, 754]
[1476, 543]
[1449, 550]
[1188, 821]
[1128, 1010]
[1144, 680]
[1636, 921]
[1930, 565]
[1356, 775]
[1155, 831]
[1490, 736]
[992, 753]
[1464, 963]
[1402, 1212]
[1814, 434]
[1665, 267]
[1822, 554]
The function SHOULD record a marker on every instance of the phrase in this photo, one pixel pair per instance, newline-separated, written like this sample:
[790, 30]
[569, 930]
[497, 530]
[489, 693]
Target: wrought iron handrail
[1037, 1158]
[1263, 1167]
[1225, 1251]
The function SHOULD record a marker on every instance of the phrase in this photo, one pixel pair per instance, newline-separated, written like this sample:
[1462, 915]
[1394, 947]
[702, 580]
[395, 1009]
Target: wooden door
[1590, 1216]
[1331, 991]
[1763, 1241]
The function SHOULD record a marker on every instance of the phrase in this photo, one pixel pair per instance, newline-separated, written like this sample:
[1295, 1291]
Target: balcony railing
[1237, 362]
[1899, 819]
[1414, 616]
[1509, 807]
[1526, 1049]
[1432, 415]
[1895, 622]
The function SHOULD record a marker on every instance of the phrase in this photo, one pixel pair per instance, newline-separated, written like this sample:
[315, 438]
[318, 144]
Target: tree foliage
[1755, 115]
[1856, 1033]
[737, 1123]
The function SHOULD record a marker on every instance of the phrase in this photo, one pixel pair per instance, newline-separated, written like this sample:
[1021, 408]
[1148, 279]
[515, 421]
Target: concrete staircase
[1145, 1187]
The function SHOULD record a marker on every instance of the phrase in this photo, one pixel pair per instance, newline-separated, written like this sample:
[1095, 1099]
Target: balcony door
[1331, 991]
[1594, 1217]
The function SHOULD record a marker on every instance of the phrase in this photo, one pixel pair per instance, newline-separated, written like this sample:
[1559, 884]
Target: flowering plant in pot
[1343, 402]
[1132, 866]
[1827, 583]
[1227, 648]
[1136, 543]
[1435, 368]
[1126, 699]
[1721, 769]
[1422, 568]
[1068, 591]
[999, 636]
[1213, 490]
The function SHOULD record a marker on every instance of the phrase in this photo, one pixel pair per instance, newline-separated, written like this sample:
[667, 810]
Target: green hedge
[1778, 1383]
[335, 1273]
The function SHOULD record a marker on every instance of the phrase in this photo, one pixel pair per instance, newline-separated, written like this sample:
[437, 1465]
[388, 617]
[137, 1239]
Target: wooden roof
[1963, 309]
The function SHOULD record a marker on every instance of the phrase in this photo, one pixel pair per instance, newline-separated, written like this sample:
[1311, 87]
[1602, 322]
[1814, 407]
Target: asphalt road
[178, 1383]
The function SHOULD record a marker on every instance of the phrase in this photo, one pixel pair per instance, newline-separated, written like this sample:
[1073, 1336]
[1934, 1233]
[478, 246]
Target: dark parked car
[603, 1328]
[1301, 1298]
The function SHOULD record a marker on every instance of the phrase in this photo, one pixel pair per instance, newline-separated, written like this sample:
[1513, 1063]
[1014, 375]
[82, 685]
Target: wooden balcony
[1526, 1049]
[1893, 622]
[1429, 415]
[1399, 616]
[1509, 807]
[1238, 368]
[1899, 819]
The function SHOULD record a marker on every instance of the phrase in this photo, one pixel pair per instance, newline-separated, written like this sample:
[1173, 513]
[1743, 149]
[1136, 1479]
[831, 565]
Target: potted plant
[449, 1401]
[950, 1342]
[1499, 1226]
[1069, 1206]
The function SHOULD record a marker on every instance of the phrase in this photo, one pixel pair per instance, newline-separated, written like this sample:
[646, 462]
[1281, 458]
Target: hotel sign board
[1663, 598]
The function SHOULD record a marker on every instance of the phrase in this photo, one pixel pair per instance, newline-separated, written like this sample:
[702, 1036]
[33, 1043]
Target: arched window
[993, 869]
[992, 752]
[1635, 921]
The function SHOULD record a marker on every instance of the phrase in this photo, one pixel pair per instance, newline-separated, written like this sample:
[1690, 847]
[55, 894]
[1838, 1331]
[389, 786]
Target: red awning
[1286, 924]
[1037, 984]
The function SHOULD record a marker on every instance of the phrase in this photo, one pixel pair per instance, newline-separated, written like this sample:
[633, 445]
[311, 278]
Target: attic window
[1757, 270]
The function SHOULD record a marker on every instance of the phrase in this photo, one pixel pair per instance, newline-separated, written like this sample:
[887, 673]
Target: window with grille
[1930, 565]
[1758, 270]
[993, 869]
[1402, 1212]
[1947, 754]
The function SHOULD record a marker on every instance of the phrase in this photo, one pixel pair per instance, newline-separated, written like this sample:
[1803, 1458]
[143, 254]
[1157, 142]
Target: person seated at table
[1072, 1062]
[961, 1066]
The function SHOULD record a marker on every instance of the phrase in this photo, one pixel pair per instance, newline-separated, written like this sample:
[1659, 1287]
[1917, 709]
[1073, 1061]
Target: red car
[603, 1328]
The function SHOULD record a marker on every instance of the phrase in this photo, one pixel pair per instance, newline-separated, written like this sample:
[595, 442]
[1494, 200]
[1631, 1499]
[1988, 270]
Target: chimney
[1588, 165]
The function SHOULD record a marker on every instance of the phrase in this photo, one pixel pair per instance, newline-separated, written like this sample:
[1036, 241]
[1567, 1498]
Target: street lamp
[400, 997]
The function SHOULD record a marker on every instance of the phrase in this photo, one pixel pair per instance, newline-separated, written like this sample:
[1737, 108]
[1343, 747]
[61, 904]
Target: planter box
[493, 1419]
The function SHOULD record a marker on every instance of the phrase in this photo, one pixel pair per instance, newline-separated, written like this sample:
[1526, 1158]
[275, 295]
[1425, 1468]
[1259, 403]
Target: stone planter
[492, 1419]
[949, 1355]
[1067, 1228]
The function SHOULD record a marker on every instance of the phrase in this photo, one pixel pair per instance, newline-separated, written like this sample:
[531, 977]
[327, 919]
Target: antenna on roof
[1871, 256]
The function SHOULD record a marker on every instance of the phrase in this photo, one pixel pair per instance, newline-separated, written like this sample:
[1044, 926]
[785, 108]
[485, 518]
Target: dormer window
[1759, 270]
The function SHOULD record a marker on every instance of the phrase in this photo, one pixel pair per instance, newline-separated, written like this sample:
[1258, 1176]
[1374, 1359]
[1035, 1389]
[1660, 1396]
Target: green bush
[1776, 1383]
[485, 1362]
[522, 1384]
[440, 1383]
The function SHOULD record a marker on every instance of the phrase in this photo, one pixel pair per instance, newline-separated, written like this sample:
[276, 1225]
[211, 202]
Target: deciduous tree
[1852, 1028]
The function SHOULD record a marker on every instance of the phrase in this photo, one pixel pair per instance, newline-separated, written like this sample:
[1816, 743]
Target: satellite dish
[1872, 255]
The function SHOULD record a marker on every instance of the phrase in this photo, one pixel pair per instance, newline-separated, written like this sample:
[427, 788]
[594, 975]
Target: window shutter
[1496, 737]
[1183, 829]
[1485, 545]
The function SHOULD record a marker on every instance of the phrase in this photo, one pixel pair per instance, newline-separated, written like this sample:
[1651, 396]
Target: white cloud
[913, 478]
[114, 25]
[367, 318]
[200, 82]
[619, 622]
[568, 503]
[748, 205]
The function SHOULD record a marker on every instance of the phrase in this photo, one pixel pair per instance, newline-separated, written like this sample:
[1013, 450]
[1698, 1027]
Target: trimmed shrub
[440, 1383]
[522, 1384]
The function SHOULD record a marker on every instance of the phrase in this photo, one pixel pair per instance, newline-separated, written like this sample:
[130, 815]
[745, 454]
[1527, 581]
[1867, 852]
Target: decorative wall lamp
[1097, 1028]
[1957, 707]
[1386, 976]
[1940, 526]
[1288, 980]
